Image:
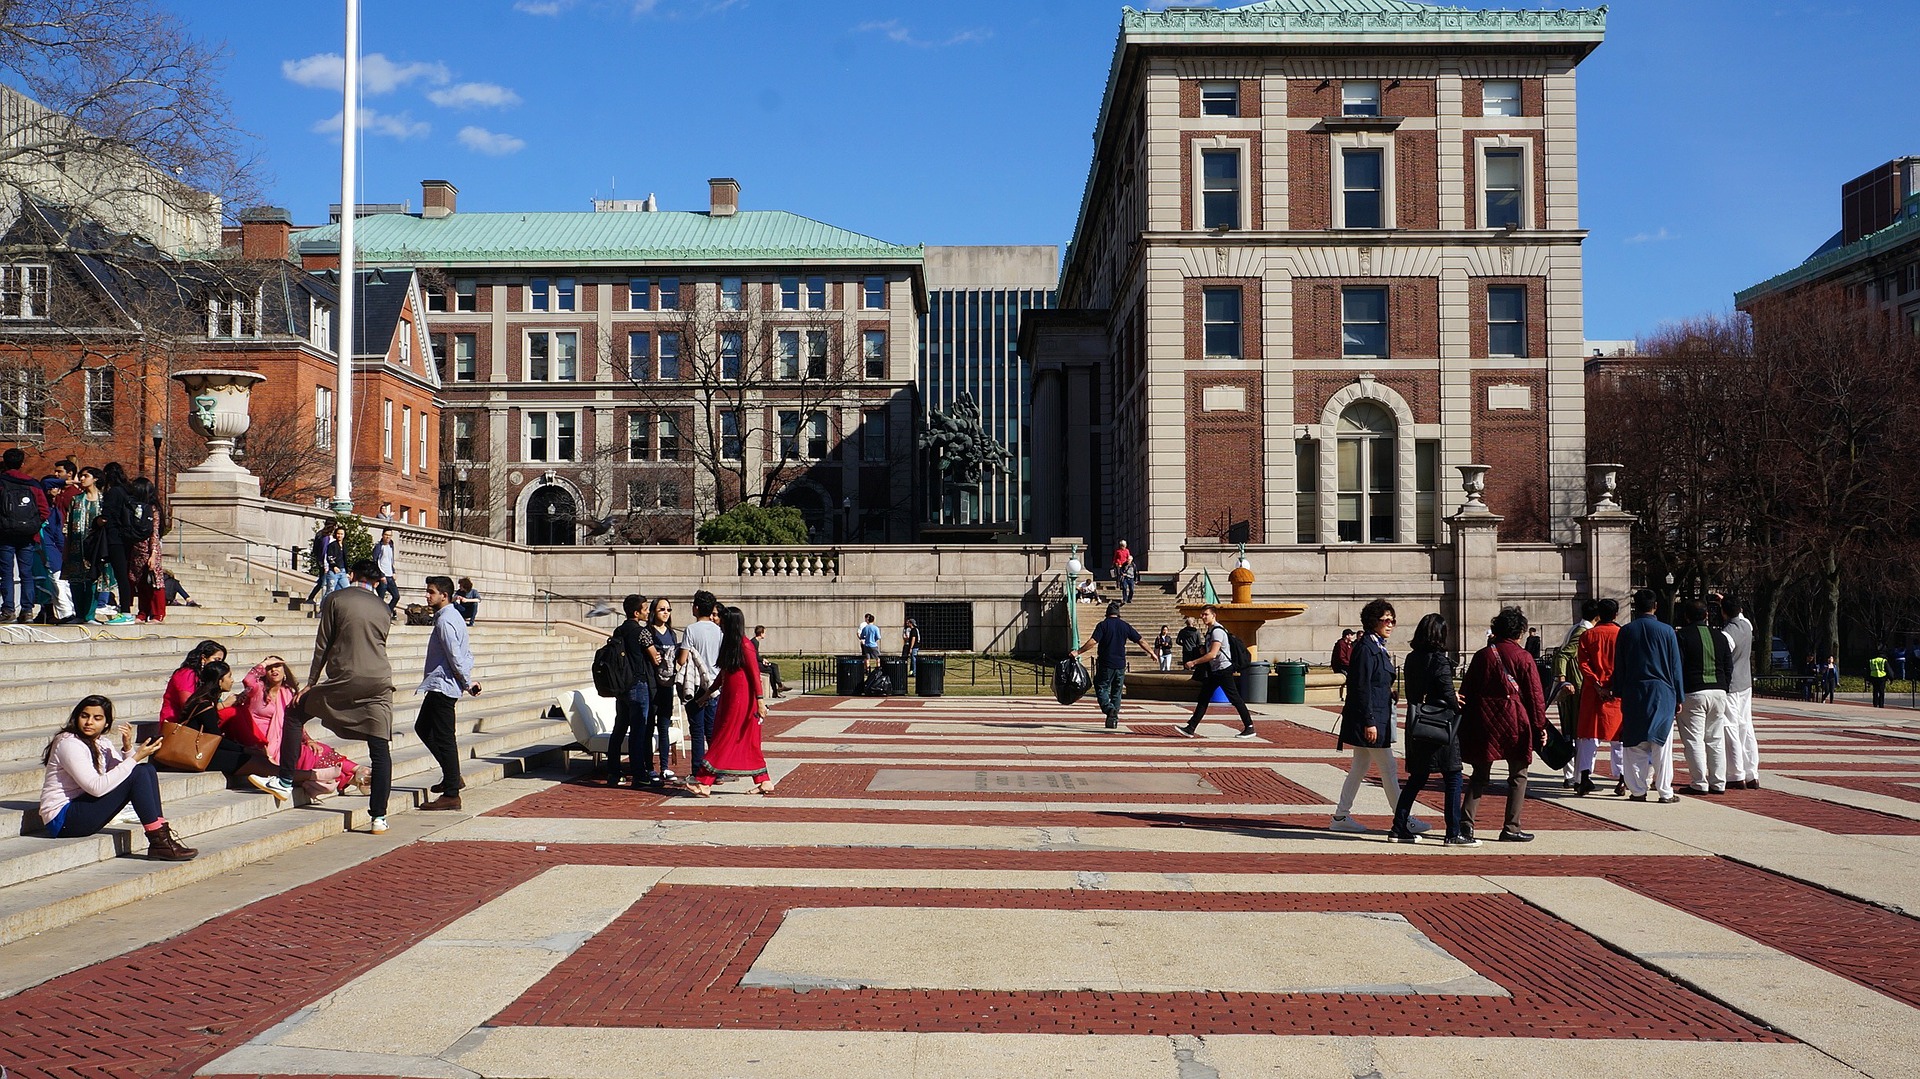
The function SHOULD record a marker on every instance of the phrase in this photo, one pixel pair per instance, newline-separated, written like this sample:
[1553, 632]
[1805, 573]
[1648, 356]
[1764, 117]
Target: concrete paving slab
[1827, 792]
[1048, 782]
[1138, 951]
[1260, 1057]
[1084, 881]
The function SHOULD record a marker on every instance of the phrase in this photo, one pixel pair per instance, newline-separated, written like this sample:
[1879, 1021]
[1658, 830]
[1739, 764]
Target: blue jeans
[86, 814]
[16, 561]
[630, 730]
[700, 731]
[1109, 683]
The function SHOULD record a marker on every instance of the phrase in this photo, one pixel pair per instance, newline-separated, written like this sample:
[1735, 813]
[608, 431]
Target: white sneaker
[1348, 825]
[126, 816]
[1416, 825]
[281, 790]
[377, 826]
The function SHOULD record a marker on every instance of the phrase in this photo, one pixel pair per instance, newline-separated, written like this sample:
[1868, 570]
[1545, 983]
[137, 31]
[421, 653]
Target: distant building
[631, 371]
[969, 344]
[1875, 256]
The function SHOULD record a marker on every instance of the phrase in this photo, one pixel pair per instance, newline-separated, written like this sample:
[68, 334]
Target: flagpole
[343, 340]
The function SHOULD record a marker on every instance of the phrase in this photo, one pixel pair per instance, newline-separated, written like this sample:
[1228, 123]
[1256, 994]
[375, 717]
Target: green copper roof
[1901, 232]
[1361, 17]
[584, 237]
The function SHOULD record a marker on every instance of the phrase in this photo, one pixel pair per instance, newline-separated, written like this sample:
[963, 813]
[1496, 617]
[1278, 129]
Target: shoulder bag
[1432, 724]
[185, 749]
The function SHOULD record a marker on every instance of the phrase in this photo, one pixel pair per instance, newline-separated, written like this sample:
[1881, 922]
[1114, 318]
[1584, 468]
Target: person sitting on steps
[90, 780]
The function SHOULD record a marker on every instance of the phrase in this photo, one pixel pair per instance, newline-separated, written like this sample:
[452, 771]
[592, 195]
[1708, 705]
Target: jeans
[1228, 681]
[660, 727]
[436, 730]
[87, 814]
[16, 560]
[1417, 782]
[380, 752]
[390, 588]
[1126, 588]
[700, 731]
[630, 731]
[1109, 684]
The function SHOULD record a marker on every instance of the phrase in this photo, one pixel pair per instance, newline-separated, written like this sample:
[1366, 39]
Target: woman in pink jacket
[186, 679]
[264, 696]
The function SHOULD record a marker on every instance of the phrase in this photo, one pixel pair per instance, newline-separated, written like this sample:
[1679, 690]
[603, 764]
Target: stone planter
[1473, 482]
[217, 407]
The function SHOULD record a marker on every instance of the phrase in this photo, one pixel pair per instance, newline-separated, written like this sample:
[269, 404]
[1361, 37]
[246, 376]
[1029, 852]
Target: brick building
[633, 371]
[1876, 254]
[1329, 250]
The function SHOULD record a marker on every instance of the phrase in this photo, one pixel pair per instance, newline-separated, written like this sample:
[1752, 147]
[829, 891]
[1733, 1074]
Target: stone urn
[217, 407]
[1606, 479]
[1473, 483]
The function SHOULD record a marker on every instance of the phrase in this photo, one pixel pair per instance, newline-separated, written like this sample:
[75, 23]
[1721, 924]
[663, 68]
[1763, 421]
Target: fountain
[1242, 616]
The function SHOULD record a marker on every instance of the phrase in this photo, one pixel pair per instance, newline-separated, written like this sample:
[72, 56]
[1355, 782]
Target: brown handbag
[185, 749]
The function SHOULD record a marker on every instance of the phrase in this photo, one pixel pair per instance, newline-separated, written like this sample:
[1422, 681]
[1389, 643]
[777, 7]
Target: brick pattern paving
[677, 957]
[1814, 813]
[874, 726]
[1258, 785]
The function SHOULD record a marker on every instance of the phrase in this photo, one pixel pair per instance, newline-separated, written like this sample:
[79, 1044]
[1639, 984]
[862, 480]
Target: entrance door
[550, 517]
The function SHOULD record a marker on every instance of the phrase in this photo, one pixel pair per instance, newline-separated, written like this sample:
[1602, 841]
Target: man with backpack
[1220, 664]
[699, 661]
[23, 509]
[621, 666]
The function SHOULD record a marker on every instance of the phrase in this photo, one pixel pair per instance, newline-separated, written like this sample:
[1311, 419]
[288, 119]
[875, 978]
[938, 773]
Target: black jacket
[1430, 680]
[1369, 696]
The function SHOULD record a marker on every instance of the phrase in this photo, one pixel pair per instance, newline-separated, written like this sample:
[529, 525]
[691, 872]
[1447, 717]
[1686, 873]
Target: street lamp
[159, 469]
[1073, 598]
[460, 497]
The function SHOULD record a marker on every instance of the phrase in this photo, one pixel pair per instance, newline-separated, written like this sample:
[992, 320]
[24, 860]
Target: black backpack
[613, 673]
[20, 517]
[1237, 653]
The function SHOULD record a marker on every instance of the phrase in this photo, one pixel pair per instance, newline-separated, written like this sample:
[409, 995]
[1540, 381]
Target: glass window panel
[1507, 321]
[639, 294]
[1500, 97]
[787, 353]
[464, 369]
[1349, 518]
[537, 294]
[563, 429]
[1220, 182]
[874, 349]
[1349, 464]
[639, 356]
[816, 353]
[669, 294]
[730, 342]
[1221, 317]
[669, 356]
[567, 355]
[465, 296]
[1363, 322]
[537, 345]
[637, 440]
[563, 294]
[1362, 192]
[1220, 99]
[1426, 478]
[729, 294]
[536, 436]
[790, 294]
[1503, 188]
[1359, 98]
[873, 295]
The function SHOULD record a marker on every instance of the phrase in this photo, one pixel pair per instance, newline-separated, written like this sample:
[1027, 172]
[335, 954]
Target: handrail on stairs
[180, 547]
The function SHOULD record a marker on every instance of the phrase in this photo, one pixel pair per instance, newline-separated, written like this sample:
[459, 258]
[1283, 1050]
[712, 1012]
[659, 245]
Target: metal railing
[180, 526]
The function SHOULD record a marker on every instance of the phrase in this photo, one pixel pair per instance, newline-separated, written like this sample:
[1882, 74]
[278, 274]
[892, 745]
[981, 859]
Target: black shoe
[1585, 786]
[1113, 723]
[1188, 732]
[1399, 834]
[441, 788]
[1515, 836]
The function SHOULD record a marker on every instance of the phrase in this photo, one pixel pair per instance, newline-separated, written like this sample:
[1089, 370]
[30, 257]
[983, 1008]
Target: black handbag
[1558, 749]
[1432, 724]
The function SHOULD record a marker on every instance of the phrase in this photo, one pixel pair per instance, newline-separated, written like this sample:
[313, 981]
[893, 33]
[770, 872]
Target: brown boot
[444, 802]
[163, 845]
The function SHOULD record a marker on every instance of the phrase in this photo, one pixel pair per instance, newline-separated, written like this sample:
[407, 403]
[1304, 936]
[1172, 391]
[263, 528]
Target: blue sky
[1715, 134]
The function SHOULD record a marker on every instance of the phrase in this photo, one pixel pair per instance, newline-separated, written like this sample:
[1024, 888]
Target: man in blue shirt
[1110, 673]
[869, 642]
[1647, 679]
[449, 674]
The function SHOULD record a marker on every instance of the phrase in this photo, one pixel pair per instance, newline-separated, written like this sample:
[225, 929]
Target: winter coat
[1369, 696]
[1505, 713]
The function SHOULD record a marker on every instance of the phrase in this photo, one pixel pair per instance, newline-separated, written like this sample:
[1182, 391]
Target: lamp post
[460, 494]
[1073, 598]
[159, 468]
[343, 338]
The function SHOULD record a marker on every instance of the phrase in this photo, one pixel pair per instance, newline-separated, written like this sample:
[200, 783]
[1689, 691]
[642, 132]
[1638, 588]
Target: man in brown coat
[355, 698]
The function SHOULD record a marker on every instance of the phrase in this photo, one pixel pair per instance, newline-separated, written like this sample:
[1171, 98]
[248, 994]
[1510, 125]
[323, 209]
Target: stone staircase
[50, 882]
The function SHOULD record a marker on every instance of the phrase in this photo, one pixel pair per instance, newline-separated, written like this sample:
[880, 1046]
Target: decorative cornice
[1356, 19]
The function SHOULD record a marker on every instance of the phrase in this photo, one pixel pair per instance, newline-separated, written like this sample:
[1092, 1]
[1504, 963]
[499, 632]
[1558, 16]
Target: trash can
[895, 668]
[930, 676]
[1253, 682]
[848, 673]
[1292, 679]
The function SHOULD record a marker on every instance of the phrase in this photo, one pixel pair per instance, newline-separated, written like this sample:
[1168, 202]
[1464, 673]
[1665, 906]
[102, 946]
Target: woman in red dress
[734, 750]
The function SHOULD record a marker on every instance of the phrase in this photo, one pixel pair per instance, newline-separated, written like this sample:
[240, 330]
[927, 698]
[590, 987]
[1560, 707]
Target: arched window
[550, 517]
[1368, 464]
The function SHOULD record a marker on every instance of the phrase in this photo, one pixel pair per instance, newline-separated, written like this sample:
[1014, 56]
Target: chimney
[264, 232]
[436, 198]
[726, 196]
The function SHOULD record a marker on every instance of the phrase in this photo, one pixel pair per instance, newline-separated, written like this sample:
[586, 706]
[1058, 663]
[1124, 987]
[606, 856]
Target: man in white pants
[1646, 678]
[1743, 750]
[1706, 666]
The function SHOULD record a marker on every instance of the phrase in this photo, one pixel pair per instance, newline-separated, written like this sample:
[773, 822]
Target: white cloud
[474, 95]
[1658, 236]
[900, 34]
[393, 125]
[541, 7]
[480, 140]
[378, 75]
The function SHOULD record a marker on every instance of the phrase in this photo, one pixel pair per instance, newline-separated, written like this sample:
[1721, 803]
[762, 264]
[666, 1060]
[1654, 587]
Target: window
[669, 294]
[639, 494]
[538, 347]
[463, 436]
[537, 294]
[669, 495]
[229, 315]
[1306, 491]
[1220, 98]
[322, 418]
[816, 295]
[1220, 189]
[550, 436]
[406, 343]
[789, 435]
[386, 430]
[24, 410]
[730, 341]
[563, 294]
[639, 356]
[464, 369]
[789, 294]
[436, 298]
[1426, 488]
[669, 427]
[639, 294]
[873, 293]
[873, 348]
[406, 440]
[803, 436]
[1366, 473]
[100, 401]
[1360, 195]
[1500, 97]
[729, 294]
[25, 290]
[873, 436]
[731, 446]
[1506, 321]
[553, 357]
[422, 459]
[1504, 176]
[639, 441]
[1220, 314]
[1360, 98]
[816, 353]
[816, 434]
[669, 357]
[787, 354]
[320, 325]
[465, 295]
[1363, 322]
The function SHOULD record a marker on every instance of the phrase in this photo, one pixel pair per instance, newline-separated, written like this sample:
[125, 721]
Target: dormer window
[233, 314]
[320, 325]
[24, 290]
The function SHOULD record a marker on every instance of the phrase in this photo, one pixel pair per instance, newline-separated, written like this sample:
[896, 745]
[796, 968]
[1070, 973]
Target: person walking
[1646, 679]
[1877, 677]
[89, 780]
[1215, 666]
[869, 643]
[1366, 722]
[389, 583]
[1504, 719]
[1829, 678]
[735, 751]
[1163, 648]
[700, 648]
[909, 642]
[1706, 663]
[1111, 637]
[23, 512]
[1599, 716]
[1125, 571]
[449, 673]
[1563, 667]
[1743, 750]
[354, 699]
[1429, 676]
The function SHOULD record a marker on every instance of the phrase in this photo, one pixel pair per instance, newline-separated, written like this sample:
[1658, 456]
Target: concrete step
[63, 898]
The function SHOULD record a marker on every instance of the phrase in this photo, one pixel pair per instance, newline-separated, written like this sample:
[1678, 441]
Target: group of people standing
[78, 539]
[712, 670]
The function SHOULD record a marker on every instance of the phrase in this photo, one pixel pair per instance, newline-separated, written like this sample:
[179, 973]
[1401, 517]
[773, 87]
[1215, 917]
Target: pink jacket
[262, 715]
[179, 688]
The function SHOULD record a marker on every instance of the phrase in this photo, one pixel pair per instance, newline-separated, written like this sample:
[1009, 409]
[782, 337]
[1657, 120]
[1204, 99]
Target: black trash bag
[877, 684]
[1070, 680]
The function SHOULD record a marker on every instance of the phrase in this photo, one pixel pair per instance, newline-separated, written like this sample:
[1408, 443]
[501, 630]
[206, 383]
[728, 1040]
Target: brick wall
[1190, 97]
[1513, 444]
[1310, 180]
[1226, 467]
[1312, 97]
[1416, 179]
[1313, 389]
[1413, 316]
[1408, 97]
